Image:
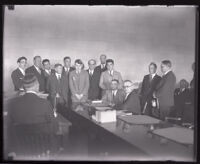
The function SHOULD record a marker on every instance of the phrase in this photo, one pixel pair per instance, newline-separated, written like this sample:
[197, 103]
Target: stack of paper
[104, 116]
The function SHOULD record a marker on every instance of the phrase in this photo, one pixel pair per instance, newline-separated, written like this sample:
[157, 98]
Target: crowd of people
[67, 86]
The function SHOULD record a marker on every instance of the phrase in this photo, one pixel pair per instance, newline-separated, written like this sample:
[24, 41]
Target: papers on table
[96, 101]
[178, 134]
[103, 108]
[104, 116]
[139, 119]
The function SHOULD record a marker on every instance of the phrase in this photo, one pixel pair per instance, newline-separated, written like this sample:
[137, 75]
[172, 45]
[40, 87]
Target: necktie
[59, 78]
[150, 77]
[90, 73]
[39, 71]
[113, 95]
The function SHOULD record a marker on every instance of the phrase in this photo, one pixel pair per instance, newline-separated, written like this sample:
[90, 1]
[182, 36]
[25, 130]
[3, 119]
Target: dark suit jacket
[98, 68]
[180, 99]
[70, 70]
[17, 77]
[40, 77]
[132, 103]
[94, 89]
[148, 87]
[118, 99]
[46, 76]
[53, 86]
[165, 90]
[29, 109]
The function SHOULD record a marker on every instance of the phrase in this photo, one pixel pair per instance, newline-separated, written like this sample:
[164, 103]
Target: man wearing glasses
[131, 101]
[19, 73]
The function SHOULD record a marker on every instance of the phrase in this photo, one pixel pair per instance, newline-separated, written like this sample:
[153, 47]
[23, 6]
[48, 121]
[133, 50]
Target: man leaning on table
[131, 100]
[115, 96]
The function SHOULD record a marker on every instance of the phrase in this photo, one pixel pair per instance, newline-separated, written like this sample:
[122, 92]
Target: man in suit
[101, 68]
[165, 89]
[47, 71]
[67, 68]
[94, 77]
[181, 96]
[108, 76]
[115, 96]
[19, 73]
[149, 84]
[79, 83]
[57, 85]
[131, 100]
[37, 71]
[30, 109]
[67, 65]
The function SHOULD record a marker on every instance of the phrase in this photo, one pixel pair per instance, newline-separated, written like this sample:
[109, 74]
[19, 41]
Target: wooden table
[117, 141]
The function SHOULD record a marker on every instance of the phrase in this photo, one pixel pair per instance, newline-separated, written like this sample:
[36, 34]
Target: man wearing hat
[19, 73]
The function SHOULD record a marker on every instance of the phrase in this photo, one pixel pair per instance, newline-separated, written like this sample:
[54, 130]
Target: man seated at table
[115, 96]
[131, 101]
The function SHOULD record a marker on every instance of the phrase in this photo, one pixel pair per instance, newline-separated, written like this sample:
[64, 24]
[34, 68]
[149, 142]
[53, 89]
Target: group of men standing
[67, 85]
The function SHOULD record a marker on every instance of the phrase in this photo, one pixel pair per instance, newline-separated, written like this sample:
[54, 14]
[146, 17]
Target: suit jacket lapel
[20, 72]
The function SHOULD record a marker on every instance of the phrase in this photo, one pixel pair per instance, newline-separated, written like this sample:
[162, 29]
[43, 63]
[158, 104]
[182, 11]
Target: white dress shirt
[58, 76]
[103, 66]
[66, 69]
[126, 95]
[167, 72]
[111, 72]
[114, 92]
[153, 75]
[91, 72]
[22, 71]
[37, 69]
[48, 71]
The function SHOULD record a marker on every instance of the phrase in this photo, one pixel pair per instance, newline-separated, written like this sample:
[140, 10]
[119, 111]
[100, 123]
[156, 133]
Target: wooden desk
[119, 144]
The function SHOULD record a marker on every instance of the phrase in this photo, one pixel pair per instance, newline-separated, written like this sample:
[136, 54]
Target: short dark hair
[115, 80]
[21, 58]
[29, 80]
[92, 60]
[45, 60]
[57, 65]
[79, 61]
[66, 57]
[154, 64]
[167, 63]
[102, 55]
[185, 81]
[36, 57]
[109, 61]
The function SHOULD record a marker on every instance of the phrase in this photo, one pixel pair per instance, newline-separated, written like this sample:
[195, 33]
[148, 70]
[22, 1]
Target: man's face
[47, 65]
[22, 63]
[92, 65]
[78, 66]
[164, 68]
[37, 62]
[183, 84]
[103, 59]
[114, 85]
[152, 69]
[110, 66]
[128, 87]
[59, 69]
[67, 63]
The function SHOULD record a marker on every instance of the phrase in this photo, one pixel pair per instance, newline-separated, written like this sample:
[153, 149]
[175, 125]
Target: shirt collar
[103, 65]
[67, 68]
[57, 75]
[114, 91]
[91, 71]
[111, 72]
[48, 70]
[167, 72]
[153, 75]
[22, 71]
[37, 68]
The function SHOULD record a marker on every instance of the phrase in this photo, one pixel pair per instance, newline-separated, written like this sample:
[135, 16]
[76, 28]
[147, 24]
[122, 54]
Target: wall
[132, 36]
